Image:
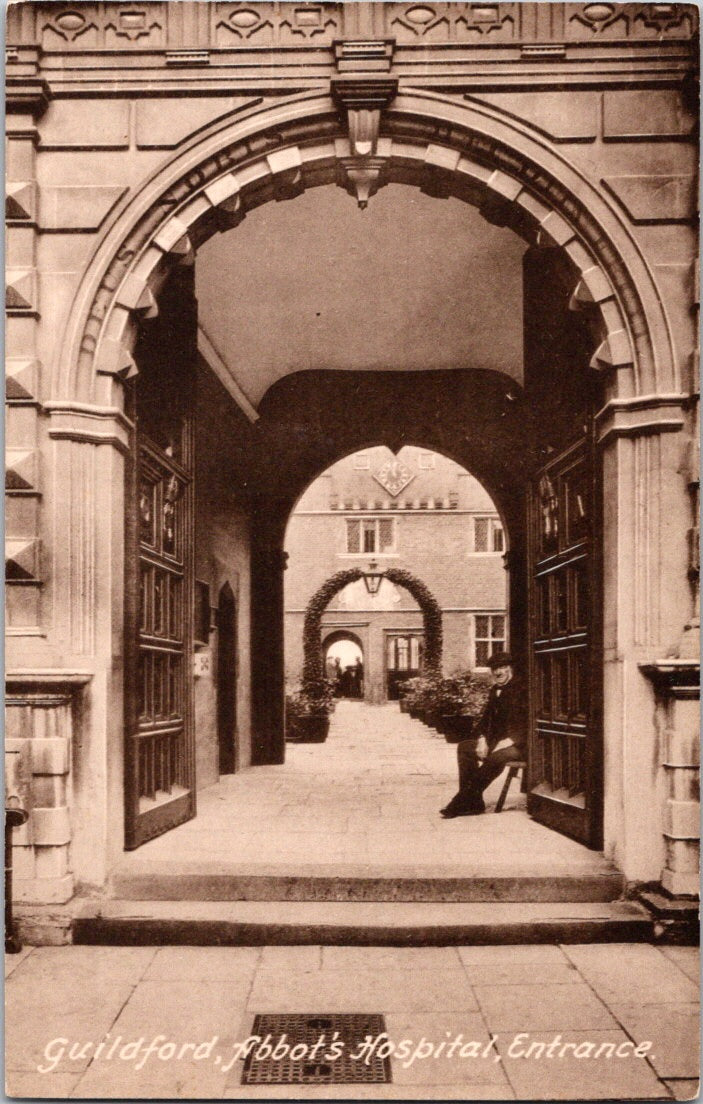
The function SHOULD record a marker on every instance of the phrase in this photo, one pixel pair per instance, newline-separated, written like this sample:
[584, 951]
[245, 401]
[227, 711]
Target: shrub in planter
[308, 712]
[412, 696]
[474, 692]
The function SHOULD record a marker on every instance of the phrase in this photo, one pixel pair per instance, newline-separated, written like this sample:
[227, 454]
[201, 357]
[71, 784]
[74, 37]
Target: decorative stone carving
[20, 201]
[277, 24]
[71, 23]
[20, 290]
[21, 560]
[363, 98]
[630, 21]
[21, 379]
[453, 22]
[21, 470]
[664, 17]
[132, 24]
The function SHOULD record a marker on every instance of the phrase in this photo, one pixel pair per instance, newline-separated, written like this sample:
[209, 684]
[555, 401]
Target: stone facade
[133, 136]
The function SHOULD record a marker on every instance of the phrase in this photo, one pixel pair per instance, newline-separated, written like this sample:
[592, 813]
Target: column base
[676, 917]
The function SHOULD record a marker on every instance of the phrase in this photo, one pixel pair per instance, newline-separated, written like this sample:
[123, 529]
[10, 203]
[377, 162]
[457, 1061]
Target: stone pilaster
[27, 99]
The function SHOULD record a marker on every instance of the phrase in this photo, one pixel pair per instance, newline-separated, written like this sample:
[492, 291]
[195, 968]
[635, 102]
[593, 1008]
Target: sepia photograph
[352, 550]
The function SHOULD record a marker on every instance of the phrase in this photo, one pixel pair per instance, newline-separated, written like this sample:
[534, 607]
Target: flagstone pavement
[58, 999]
[368, 798]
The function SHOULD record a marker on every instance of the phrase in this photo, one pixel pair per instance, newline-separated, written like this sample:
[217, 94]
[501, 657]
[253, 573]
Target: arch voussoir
[443, 158]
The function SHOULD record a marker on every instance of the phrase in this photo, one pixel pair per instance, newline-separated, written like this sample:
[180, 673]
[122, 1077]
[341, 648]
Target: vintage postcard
[352, 574]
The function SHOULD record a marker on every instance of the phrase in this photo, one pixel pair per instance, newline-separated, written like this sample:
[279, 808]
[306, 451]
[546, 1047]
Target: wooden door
[403, 660]
[565, 740]
[160, 752]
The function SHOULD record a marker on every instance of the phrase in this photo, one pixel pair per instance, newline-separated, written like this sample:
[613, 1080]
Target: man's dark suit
[504, 718]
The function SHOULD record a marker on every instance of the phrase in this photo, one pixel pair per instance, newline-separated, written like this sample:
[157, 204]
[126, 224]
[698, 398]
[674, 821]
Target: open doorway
[344, 665]
[400, 430]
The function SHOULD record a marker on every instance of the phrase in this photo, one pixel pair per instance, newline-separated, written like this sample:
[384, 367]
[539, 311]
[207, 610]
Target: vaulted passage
[202, 321]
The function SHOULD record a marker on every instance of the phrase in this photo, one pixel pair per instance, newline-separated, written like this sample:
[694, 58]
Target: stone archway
[473, 152]
[312, 625]
[431, 141]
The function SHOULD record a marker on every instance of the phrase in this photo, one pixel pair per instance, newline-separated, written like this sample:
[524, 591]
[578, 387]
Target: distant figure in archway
[359, 678]
[501, 732]
[337, 676]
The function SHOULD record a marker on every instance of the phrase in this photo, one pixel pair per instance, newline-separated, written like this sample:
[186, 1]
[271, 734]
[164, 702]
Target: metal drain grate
[289, 1055]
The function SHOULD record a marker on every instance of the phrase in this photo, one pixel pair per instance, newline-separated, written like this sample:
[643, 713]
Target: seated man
[501, 730]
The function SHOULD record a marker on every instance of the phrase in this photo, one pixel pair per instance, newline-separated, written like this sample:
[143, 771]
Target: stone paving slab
[194, 995]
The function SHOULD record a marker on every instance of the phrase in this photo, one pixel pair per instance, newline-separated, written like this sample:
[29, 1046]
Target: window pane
[481, 627]
[498, 539]
[402, 653]
[353, 536]
[498, 629]
[414, 652]
[385, 527]
[482, 651]
[369, 536]
[480, 534]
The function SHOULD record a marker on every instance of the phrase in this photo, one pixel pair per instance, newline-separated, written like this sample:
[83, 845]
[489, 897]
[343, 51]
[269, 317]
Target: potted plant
[422, 700]
[448, 703]
[409, 702]
[308, 713]
[473, 691]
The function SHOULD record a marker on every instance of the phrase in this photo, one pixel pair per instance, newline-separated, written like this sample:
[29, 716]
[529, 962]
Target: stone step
[217, 881]
[253, 923]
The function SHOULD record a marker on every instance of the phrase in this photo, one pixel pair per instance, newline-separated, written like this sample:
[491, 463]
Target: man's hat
[500, 659]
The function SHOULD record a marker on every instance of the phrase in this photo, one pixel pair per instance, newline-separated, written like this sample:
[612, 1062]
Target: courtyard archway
[312, 626]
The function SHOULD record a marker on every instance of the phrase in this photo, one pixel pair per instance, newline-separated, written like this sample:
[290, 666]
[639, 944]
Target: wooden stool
[513, 770]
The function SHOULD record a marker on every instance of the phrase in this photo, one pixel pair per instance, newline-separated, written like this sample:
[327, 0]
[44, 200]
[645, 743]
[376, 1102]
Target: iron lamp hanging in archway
[372, 578]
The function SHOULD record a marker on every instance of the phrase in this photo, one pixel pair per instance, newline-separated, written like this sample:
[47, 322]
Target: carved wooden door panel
[160, 752]
[565, 740]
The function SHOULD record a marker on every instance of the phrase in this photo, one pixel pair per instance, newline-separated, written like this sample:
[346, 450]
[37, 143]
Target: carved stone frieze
[198, 28]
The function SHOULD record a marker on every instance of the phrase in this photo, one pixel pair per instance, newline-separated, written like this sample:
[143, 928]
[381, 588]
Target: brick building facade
[418, 511]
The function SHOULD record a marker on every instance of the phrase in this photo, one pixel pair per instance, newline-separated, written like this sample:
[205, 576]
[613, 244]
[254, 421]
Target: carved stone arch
[312, 624]
[446, 146]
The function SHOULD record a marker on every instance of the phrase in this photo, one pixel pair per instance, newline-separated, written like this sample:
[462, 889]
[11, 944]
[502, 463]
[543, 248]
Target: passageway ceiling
[410, 284]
